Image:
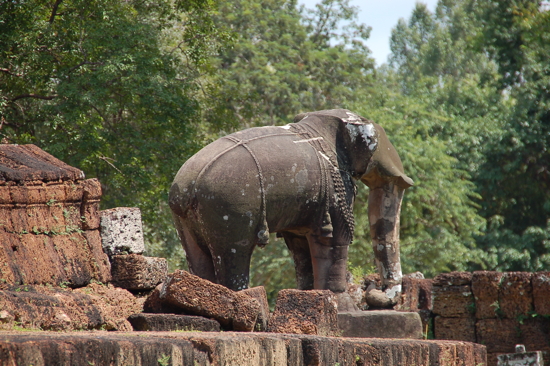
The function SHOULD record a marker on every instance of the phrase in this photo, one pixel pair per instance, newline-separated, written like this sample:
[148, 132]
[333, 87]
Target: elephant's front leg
[329, 259]
[384, 212]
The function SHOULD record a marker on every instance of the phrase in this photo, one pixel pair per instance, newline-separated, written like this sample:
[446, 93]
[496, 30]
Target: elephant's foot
[345, 303]
[383, 299]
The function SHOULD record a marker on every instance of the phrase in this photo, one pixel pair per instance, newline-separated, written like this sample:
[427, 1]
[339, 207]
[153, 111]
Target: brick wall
[498, 310]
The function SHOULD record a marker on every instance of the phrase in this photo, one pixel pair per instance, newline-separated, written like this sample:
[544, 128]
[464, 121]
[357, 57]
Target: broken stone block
[516, 294]
[172, 322]
[453, 301]
[541, 292]
[195, 295]
[305, 312]
[485, 285]
[137, 272]
[521, 358]
[260, 295]
[455, 329]
[121, 231]
[380, 324]
[154, 304]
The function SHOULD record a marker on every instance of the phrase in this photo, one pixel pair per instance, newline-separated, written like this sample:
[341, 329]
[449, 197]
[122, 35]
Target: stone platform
[228, 348]
[380, 324]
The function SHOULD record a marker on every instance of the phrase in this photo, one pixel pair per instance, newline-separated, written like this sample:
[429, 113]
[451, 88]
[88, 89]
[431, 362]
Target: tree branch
[7, 71]
[45, 97]
[54, 10]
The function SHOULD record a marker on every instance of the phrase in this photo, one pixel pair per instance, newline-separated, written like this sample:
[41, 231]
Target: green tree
[110, 87]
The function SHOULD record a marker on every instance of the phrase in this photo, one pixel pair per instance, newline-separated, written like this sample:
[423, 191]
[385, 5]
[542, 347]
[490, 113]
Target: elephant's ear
[387, 162]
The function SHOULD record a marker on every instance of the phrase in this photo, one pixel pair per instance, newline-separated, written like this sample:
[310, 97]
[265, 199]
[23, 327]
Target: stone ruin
[66, 265]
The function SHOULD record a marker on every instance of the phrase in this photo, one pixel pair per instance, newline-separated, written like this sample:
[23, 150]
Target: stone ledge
[229, 348]
[381, 324]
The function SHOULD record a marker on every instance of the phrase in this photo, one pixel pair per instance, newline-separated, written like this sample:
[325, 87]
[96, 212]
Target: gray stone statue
[298, 181]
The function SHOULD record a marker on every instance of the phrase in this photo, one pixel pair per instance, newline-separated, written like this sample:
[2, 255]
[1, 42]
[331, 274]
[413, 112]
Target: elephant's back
[239, 173]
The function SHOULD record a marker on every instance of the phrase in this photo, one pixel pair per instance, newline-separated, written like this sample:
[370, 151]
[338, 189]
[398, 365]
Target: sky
[382, 16]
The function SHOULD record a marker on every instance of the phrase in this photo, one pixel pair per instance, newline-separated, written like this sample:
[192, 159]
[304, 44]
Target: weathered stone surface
[137, 272]
[42, 307]
[456, 329]
[121, 231]
[541, 292]
[29, 163]
[453, 301]
[535, 333]
[485, 287]
[521, 359]
[499, 335]
[260, 295]
[243, 349]
[154, 304]
[416, 294]
[172, 322]
[380, 324]
[305, 312]
[234, 310]
[89, 210]
[516, 294]
[453, 279]
[46, 216]
[377, 299]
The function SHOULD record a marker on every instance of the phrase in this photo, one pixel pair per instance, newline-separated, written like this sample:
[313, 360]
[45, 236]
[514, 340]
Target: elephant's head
[365, 150]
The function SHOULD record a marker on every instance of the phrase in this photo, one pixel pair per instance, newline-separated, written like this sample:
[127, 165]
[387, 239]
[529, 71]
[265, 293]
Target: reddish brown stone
[48, 308]
[416, 294]
[516, 294]
[485, 287]
[457, 329]
[453, 279]
[137, 272]
[28, 163]
[89, 210]
[535, 333]
[260, 295]
[498, 335]
[305, 312]
[541, 292]
[154, 304]
[201, 297]
[453, 301]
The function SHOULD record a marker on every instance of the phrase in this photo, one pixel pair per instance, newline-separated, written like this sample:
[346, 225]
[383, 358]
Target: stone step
[380, 324]
[228, 348]
[172, 322]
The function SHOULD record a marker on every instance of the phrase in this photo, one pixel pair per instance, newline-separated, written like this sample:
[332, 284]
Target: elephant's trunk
[384, 212]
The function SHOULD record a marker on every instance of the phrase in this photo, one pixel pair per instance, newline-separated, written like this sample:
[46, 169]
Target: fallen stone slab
[172, 322]
[137, 272]
[305, 312]
[44, 307]
[229, 348]
[197, 296]
[121, 231]
[380, 324]
[260, 295]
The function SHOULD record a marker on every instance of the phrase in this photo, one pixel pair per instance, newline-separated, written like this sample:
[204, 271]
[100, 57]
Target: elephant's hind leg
[199, 260]
[299, 247]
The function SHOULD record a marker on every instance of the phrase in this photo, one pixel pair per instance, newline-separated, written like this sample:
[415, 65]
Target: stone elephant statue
[296, 180]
